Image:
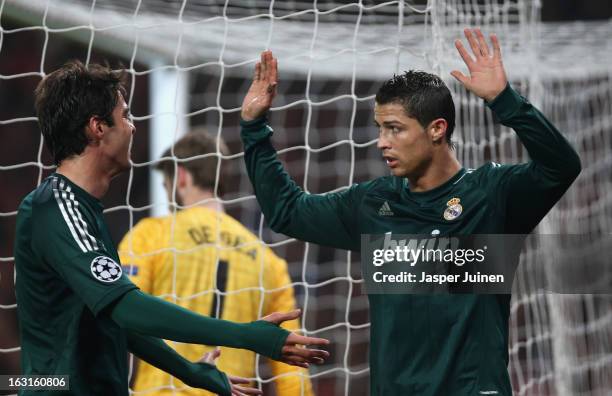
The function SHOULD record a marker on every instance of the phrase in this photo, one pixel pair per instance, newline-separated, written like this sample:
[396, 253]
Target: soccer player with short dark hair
[454, 344]
[78, 313]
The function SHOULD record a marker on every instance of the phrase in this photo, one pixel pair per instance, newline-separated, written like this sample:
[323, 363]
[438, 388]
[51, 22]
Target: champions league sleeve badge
[105, 269]
[453, 209]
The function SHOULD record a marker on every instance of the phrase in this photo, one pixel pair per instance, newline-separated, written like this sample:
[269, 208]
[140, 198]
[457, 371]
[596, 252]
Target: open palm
[263, 88]
[487, 77]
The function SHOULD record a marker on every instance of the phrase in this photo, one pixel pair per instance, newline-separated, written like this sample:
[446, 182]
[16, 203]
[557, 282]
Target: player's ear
[95, 128]
[437, 130]
[183, 177]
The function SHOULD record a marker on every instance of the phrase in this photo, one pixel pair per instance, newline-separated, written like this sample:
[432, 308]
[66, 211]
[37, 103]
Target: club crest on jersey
[453, 209]
[105, 269]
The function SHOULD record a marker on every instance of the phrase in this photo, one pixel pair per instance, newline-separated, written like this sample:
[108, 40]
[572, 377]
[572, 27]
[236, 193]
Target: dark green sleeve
[145, 314]
[94, 275]
[199, 375]
[530, 190]
[325, 219]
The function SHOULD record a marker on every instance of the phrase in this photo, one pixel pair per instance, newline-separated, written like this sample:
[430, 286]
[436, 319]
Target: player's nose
[382, 143]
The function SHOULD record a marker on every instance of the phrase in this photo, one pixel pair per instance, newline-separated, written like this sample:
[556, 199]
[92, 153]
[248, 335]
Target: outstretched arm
[201, 374]
[324, 219]
[529, 190]
[159, 354]
[144, 314]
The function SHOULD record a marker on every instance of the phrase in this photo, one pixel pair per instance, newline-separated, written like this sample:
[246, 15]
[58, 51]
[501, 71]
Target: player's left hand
[487, 77]
[235, 382]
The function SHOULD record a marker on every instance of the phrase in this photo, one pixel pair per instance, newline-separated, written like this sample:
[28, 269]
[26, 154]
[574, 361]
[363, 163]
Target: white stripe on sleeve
[65, 195]
[82, 222]
[56, 193]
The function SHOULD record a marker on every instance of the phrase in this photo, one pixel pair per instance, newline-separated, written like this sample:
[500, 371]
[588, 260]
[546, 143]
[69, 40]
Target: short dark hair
[424, 96]
[67, 98]
[188, 150]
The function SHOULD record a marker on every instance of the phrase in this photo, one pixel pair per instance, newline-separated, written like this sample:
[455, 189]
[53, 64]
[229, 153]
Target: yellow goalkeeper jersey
[207, 262]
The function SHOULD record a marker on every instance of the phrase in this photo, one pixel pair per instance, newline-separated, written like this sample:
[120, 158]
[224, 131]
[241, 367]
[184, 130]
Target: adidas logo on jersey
[385, 210]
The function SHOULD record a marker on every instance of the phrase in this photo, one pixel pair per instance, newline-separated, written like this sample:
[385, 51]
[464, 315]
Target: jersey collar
[434, 193]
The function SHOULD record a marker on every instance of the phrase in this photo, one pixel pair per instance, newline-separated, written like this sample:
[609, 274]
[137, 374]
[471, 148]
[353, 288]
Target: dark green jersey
[429, 344]
[68, 271]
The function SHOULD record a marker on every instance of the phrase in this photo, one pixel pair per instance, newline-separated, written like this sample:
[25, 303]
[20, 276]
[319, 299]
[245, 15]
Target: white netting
[332, 58]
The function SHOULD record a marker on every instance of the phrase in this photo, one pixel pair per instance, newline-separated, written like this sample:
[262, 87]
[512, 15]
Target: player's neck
[86, 174]
[202, 198]
[441, 170]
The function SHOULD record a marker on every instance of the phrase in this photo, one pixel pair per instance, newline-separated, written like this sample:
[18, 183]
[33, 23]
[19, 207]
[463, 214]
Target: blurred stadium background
[189, 64]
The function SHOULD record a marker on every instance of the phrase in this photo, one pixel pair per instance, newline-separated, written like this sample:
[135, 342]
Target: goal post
[169, 96]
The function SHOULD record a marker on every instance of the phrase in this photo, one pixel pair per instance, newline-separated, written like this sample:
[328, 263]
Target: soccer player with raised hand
[79, 313]
[425, 345]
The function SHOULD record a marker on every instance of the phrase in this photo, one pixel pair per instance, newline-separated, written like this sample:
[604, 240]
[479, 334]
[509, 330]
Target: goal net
[190, 64]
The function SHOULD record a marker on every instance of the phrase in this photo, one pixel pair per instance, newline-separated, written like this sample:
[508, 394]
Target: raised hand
[263, 88]
[235, 382]
[487, 76]
[294, 352]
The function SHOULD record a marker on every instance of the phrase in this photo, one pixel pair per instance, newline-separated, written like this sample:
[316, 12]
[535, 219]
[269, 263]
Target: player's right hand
[259, 98]
[294, 351]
